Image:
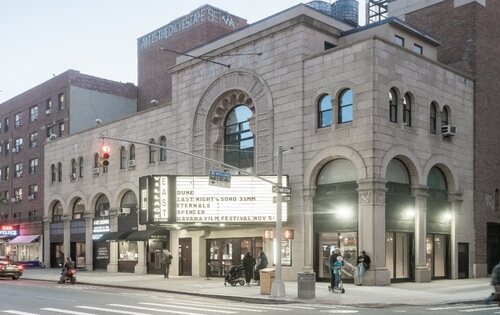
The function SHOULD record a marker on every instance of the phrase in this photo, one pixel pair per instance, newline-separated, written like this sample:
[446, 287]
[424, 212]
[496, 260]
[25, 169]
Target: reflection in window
[238, 138]
[393, 106]
[325, 111]
[128, 250]
[345, 106]
[407, 110]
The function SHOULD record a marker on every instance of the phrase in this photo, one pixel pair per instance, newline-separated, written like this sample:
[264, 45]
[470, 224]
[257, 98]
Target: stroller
[234, 275]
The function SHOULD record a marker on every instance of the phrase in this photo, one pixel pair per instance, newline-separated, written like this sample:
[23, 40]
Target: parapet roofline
[264, 24]
[400, 24]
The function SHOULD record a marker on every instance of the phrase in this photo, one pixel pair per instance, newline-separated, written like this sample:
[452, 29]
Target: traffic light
[105, 150]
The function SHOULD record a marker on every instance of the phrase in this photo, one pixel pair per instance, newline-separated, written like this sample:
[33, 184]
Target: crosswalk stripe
[58, 310]
[301, 307]
[481, 309]
[187, 308]
[246, 306]
[451, 307]
[213, 305]
[153, 309]
[18, 312]
[110, 310]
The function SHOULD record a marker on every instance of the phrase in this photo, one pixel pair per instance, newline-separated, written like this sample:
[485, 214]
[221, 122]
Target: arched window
[52, 173]
[436, 179]
[123, 158]
[325, 111]
[129, 201]
[132, 152]
[72, 176]
[407, 110]
[445, 117]
[345, 106]
[78, 209]
[152, 151]
[57, 212]
[397, 172]
[59, 171]
[393, 106]
[102, 206]
[80, 167]
[163, 151]
[238, 138]
[96, 160]
[433, 118]
[337, 171]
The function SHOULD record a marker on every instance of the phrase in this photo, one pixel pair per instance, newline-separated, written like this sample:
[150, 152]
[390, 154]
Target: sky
[41, 39]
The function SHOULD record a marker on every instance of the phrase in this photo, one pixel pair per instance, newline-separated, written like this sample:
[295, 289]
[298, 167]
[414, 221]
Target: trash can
[267, 276]
[306, 285]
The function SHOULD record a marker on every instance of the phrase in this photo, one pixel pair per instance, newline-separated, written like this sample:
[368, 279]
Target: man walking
[167, 260]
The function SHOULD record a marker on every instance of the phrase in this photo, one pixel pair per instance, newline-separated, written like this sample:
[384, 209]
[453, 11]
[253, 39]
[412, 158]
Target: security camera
[154, 102]
[98, 121]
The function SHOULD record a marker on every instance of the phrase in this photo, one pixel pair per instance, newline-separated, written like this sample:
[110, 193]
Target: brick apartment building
[469, 31]
[66, 104]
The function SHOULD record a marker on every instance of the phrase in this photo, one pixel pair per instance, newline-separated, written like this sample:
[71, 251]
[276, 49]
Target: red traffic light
[105, 149]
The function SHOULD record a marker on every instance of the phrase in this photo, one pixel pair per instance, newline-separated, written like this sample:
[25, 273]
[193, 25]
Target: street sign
[219, 178]
[284, 198]
[283, 190]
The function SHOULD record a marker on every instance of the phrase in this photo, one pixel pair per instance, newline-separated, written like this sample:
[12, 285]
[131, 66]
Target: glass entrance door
[347, 243]
[437, 250]
[398, 255]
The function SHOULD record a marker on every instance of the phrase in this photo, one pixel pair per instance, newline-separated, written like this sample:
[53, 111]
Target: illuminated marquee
[9, 230]
[248, 200]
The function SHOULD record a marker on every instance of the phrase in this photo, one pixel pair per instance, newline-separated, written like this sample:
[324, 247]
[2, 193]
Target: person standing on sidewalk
[248, 264]
[495, 282]
[166, 261]
[362, 264]
[261, 264]
[331, 260]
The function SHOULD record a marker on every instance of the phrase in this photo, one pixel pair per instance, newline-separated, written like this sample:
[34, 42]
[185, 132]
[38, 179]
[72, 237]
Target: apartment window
[80, 167]
[52, 173]
[18, 143]
[399, 40]
[152, 151]
[393, 106]
[433, 118]
[60, 101]
[132, 152]
[61, 129]
[325, 111]
[7, 147]
[18, 121]
[17, 216]
[418, 49]
[163, 150]
[33, 137]
[33, 191]
[96, 160]
[49, 130]
[123, 158]
[407, 110]
[6, 124]
[33, 166]
[59, 172]
[1, 174]
[18, 170]
[345, 106]
[18, 194]
[6, 171]
[48, 106]
[73, 169]
[34, 113]
[445, 117]
[33, 215]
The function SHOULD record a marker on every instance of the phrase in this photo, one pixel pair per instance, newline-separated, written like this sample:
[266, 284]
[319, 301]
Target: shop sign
[154, 199]
[99, 227]
[9, 230]
[248, 200]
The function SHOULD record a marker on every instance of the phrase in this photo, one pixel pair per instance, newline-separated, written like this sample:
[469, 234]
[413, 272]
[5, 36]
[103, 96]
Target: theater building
[381, 159]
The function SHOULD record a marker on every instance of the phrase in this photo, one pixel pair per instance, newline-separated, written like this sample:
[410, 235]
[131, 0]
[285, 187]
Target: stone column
[46, 241]
[422, 272]
[113, 257]
[455, 200]
[67, 235]
[371, 229]
[89, 243]
[308, 253]
[141, 266]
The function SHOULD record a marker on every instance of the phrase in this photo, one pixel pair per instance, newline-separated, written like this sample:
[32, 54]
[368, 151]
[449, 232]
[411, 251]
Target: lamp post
[278, 287]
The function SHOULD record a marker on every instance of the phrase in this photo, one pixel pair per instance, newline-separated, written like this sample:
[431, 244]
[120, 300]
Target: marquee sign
[9, 230]
[191, 199]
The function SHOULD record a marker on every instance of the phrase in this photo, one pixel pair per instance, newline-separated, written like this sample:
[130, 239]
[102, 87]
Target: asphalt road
[26, 297]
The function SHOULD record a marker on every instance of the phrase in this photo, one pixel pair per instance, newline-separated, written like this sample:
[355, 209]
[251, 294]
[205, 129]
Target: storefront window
[397, 254]
[127, 250]
[437, 252]
[224, 253]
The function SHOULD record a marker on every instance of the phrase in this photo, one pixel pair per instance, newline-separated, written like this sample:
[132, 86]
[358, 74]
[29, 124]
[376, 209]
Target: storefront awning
[155, 234]
[114, 236]
[23, 239]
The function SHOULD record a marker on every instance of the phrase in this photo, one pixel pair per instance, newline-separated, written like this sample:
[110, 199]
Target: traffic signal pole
[278, 287]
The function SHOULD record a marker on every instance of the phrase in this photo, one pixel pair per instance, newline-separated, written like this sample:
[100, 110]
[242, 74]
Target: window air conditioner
[47, 111]
[19, 123]
[13, 200]
[95, 171]
[72, 176]
[131, 163]
[448, 130]
[125, 211]
[31, 197]
[104, 213]
[15, 149]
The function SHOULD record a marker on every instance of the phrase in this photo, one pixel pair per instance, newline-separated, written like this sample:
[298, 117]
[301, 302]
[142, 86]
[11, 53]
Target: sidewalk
[436, 292]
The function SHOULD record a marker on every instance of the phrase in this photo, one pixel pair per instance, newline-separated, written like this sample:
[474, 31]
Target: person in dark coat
[261, 264]
[362, 264]
[166, 262]
[248, 264]
[331, 260]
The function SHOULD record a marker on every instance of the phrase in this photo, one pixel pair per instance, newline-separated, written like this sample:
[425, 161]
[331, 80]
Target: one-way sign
[283, 190]
[219, 178]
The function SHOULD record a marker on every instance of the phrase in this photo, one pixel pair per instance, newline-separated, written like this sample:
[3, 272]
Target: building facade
[369, 170]
[470, 45]
[64, 105]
